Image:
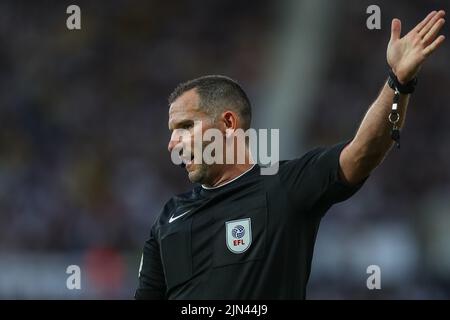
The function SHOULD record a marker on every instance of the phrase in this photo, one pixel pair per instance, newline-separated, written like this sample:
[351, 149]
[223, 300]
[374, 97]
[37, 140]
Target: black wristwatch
[407, 88]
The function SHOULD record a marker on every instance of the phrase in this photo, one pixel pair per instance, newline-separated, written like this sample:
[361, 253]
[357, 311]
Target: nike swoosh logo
[172, 218]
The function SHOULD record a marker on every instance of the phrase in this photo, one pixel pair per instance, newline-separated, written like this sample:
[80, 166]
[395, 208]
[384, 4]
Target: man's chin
[193, 175]
[197, 174]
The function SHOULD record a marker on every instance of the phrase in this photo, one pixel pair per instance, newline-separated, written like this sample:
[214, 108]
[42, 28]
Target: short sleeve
[313, 181]
[151, 275]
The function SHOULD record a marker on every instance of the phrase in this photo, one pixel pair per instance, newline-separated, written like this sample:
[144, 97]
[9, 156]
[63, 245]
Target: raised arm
[405, 56]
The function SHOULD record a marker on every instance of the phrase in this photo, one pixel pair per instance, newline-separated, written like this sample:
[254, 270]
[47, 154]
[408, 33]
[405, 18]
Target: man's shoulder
[180, 198]
[314, 154]
[300, 161]
[176, 202]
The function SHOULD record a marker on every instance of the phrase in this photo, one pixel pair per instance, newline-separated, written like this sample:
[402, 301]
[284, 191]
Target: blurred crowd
[84, 113]
[84, 165]
[401, 217]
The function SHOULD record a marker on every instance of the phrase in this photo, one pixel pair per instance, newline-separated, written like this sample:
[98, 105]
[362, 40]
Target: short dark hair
[217, 93]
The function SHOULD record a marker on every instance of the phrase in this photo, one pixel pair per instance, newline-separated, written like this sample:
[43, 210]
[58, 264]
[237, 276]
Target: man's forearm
[373, 138]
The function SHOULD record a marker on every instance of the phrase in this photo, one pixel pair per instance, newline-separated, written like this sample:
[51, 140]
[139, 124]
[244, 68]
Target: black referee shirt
[252, 238]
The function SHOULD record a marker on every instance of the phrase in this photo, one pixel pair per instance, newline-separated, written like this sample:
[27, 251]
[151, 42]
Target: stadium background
[83, 163]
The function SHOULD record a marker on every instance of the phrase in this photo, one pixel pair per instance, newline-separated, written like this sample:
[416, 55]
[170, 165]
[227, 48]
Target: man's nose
[175, 139]
[172, 144]
[179, 140]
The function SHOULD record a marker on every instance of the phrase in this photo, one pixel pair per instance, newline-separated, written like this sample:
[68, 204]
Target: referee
[242, 235]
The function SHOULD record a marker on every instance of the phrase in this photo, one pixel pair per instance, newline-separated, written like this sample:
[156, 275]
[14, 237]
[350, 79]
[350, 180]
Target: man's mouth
[187, 161]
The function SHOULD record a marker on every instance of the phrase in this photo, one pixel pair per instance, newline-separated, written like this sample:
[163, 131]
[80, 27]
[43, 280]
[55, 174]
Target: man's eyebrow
[180, 123]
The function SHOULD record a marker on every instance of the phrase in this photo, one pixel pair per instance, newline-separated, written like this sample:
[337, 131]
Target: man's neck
[230, 173]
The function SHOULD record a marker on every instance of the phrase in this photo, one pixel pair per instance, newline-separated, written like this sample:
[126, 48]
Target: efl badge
[239, 235]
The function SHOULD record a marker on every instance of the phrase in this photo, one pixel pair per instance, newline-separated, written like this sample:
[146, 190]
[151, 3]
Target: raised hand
[406, 55]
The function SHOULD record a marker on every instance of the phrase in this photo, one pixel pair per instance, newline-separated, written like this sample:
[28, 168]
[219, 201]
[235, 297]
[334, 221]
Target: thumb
[396, 29]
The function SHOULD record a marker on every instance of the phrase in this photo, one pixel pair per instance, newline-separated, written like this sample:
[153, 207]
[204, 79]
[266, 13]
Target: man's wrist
[401, 86]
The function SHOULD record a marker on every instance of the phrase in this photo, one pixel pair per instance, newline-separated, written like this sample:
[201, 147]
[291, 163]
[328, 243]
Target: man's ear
[230, 120]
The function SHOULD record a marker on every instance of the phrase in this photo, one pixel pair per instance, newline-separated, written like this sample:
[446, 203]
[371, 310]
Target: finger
[396, 29]
[424, 21]
[432, 47]
[431, 23]
[432, 34]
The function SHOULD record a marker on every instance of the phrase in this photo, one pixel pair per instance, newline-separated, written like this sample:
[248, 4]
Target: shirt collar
[228, 182]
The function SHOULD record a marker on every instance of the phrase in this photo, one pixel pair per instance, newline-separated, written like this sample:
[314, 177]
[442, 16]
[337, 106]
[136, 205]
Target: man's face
[185, 115]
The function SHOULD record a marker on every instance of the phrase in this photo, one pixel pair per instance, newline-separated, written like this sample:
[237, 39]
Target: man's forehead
[188, 101]
[184, 107]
